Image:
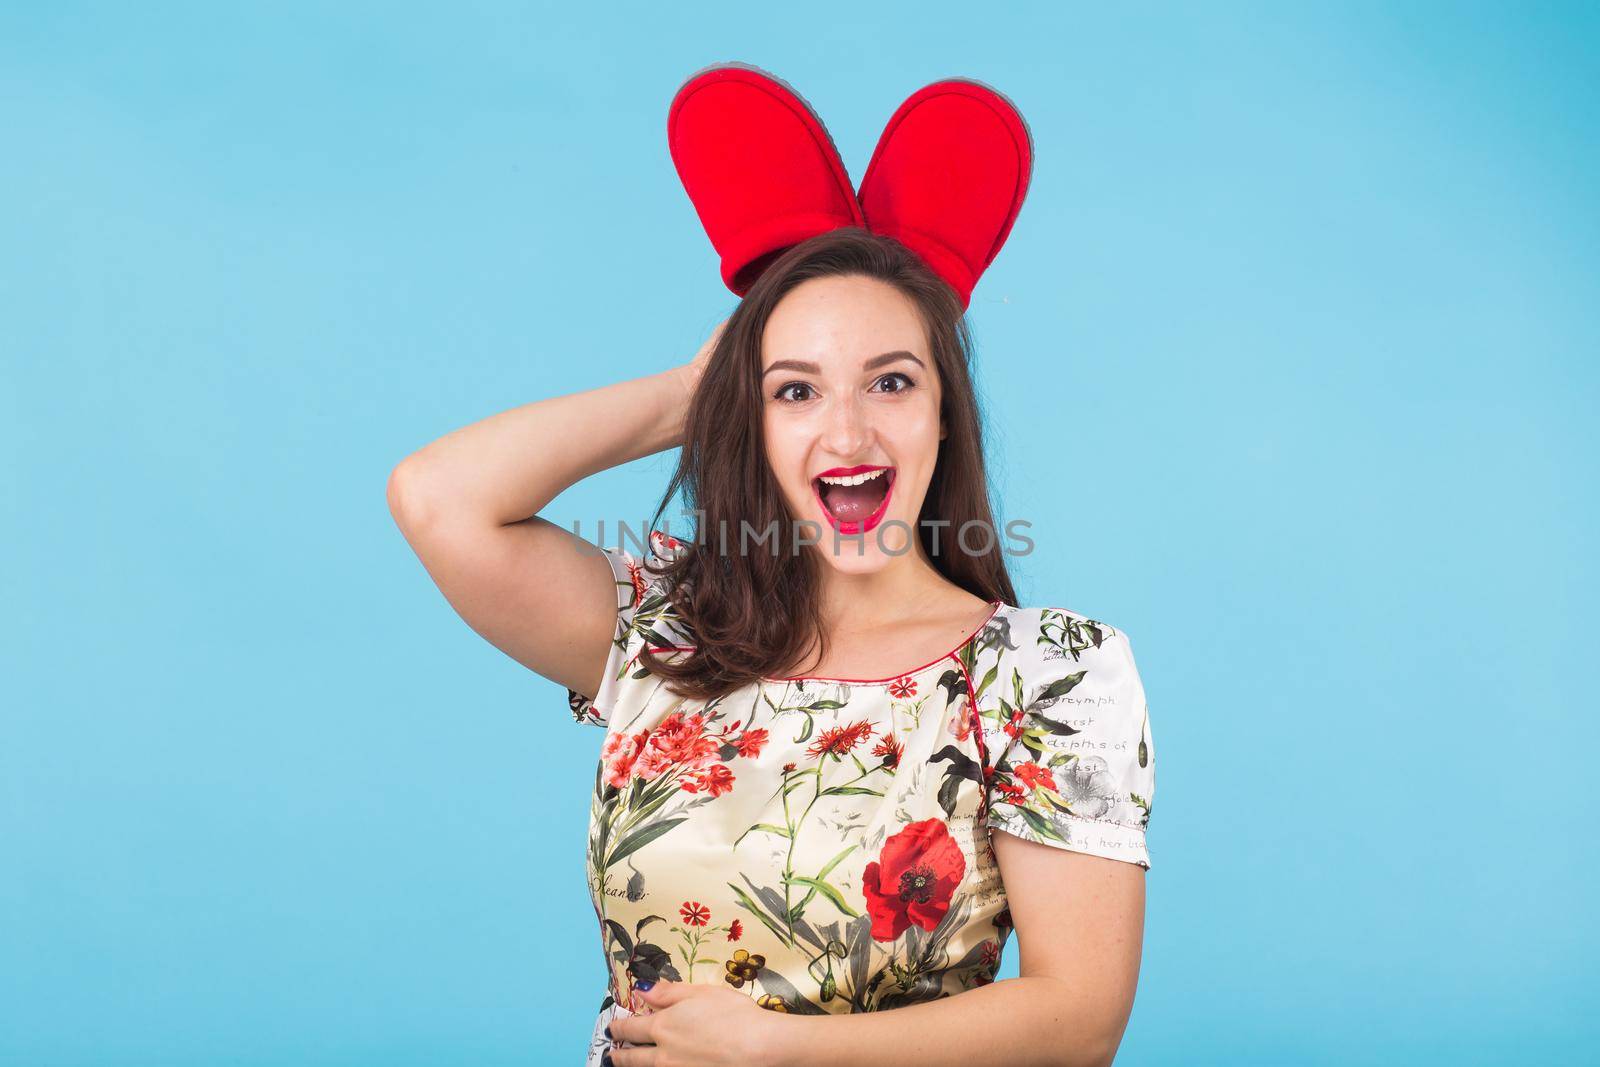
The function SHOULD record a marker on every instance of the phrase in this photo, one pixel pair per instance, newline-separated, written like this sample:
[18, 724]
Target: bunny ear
[949, 176]
[759, 166]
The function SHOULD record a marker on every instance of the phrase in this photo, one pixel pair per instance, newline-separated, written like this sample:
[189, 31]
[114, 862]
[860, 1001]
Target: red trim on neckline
[993, 610]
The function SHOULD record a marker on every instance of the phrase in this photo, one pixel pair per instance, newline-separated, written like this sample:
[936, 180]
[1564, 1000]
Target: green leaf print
[773, 914]
[1040, 824]
[652, 962]
[766, 827]
[1067, 634]
[1096, 634]
[849, 790]
[1045, 724]
[653, 799]
[962, 767]
[827, 890]
[642, 837]
[993, 673]
[1060, 687]
[799, 909]
[1052, 798]
[621, 937]
[798, 779]
[755, 909]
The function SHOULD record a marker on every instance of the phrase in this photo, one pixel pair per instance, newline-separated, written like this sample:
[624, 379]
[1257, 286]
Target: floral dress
[822, 845]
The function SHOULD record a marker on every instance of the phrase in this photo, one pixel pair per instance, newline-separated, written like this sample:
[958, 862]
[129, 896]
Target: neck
[853, 603]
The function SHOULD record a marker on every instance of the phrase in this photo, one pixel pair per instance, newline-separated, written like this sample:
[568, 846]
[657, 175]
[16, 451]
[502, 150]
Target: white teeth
[854, 479]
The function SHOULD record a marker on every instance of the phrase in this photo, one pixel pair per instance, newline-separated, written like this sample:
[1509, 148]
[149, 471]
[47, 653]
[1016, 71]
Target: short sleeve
[642, 616]
[1072, 755]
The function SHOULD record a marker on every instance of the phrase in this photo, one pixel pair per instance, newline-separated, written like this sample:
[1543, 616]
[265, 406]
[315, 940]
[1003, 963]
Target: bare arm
[468, 505]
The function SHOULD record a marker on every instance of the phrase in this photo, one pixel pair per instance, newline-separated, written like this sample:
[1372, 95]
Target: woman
[840, 762]
[833, 780]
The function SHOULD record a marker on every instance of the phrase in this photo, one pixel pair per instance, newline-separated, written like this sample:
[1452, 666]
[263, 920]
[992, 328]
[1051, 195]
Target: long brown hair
[754, 613]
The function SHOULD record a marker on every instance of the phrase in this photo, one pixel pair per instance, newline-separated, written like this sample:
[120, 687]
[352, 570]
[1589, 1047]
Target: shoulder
[1061, 682]
[645, 618]
[1045, 653]
[1070, 751]
[645, 590]
[638, 570]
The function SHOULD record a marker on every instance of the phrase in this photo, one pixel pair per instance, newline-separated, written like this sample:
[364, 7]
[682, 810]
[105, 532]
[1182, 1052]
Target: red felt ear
[759, 166]
[949, 176]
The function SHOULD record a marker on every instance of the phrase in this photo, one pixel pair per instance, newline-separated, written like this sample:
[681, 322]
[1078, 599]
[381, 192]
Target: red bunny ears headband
[947, 179]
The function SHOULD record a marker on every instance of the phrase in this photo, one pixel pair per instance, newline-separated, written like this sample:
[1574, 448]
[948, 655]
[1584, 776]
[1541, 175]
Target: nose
[846, 430]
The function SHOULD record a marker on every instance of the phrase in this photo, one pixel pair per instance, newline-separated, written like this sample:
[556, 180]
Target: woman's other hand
[704, 1025]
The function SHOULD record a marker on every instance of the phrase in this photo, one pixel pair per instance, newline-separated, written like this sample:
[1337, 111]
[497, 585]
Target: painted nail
[645, 985]
[608, 1033]
[605, 1059]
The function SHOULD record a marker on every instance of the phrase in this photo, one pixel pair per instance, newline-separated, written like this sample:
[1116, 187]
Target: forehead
[840, 321]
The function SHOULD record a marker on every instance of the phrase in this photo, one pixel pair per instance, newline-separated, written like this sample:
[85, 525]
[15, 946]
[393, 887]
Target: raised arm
[469, 503]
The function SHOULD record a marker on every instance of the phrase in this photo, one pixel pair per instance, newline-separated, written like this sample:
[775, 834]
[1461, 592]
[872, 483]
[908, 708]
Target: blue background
[1290, 361]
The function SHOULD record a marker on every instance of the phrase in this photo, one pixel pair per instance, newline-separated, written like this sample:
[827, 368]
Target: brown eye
[783, 392]
[893, 375]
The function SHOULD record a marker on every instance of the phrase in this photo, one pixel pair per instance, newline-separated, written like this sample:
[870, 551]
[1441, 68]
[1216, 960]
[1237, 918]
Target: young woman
[841, 764]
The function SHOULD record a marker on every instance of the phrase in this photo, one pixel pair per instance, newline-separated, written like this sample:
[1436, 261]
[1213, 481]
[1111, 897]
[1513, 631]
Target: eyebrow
[875, 362]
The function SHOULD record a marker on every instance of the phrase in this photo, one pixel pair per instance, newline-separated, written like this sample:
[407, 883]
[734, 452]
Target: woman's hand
[693, 1025]
[693, 369]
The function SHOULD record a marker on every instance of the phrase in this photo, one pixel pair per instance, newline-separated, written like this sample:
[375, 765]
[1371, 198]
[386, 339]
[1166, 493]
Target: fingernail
[605, 1059]
[645, 985]
[608, 1033]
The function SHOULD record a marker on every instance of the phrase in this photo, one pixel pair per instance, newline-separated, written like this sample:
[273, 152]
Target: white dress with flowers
[822, 845]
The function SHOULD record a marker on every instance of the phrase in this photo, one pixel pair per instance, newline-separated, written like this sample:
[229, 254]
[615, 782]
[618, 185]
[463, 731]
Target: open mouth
[856, 498]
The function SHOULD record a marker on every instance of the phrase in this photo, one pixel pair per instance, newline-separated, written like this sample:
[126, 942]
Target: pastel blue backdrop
[1290, 361]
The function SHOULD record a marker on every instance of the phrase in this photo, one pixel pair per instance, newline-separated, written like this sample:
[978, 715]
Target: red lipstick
[871, 521]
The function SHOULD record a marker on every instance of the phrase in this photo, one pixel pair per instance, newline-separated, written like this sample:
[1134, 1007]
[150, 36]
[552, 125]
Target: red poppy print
[913, 879]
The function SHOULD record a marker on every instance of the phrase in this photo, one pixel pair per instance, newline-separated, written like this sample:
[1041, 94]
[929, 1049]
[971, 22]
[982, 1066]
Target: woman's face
[850, 389]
